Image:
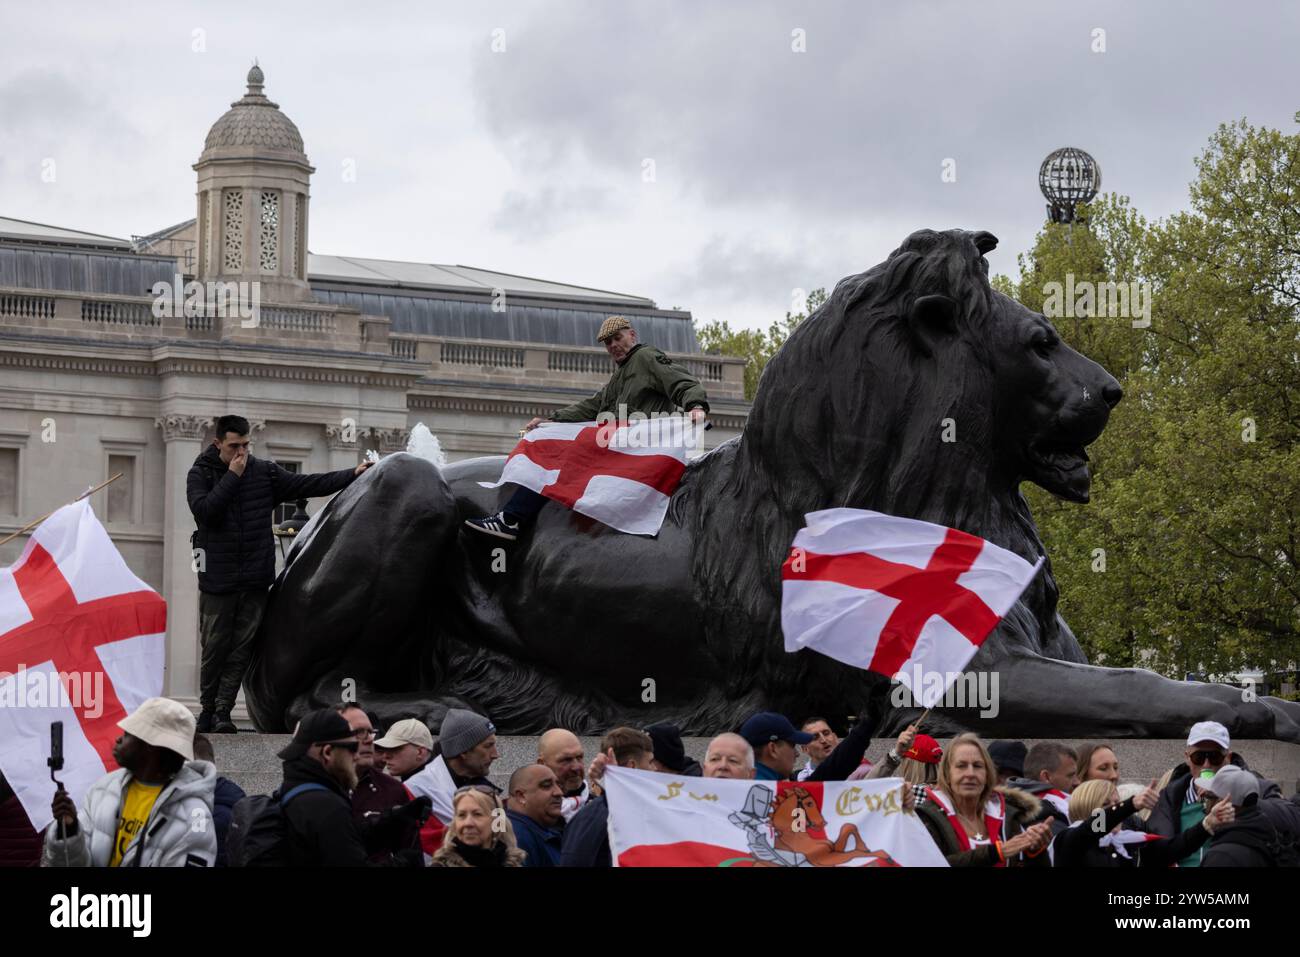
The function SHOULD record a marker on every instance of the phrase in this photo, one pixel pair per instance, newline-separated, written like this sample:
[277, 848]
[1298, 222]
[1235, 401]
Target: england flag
[82, 641]
[619, 473]
[894, 595]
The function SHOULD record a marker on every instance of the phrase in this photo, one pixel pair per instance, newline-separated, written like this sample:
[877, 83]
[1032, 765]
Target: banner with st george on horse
[664, 820]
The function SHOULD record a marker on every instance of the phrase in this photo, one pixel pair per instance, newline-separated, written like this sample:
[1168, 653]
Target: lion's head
[915, 390]
[916, 381]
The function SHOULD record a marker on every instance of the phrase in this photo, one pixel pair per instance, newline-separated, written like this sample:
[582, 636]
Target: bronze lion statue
[915, 390]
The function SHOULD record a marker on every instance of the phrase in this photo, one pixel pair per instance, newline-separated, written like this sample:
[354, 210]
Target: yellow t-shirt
[136, 805]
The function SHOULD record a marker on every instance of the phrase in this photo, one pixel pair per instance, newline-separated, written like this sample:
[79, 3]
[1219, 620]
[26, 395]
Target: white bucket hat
[164, 723]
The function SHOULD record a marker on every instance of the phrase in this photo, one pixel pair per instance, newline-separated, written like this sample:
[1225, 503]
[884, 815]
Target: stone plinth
[249, 759]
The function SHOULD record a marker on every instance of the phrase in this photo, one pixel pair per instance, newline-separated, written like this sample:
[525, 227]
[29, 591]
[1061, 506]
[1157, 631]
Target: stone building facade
[116, 355]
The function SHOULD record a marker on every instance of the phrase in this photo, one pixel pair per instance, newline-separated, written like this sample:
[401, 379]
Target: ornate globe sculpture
[1068, 177]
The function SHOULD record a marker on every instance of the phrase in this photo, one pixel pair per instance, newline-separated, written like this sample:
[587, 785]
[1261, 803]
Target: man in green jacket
[646, 382]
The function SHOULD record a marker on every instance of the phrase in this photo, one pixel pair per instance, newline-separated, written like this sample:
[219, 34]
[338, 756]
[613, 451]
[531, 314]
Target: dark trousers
[227, 624]
[523, 506]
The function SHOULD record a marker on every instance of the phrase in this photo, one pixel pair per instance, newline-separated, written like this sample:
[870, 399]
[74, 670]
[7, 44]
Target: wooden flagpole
[30, 525]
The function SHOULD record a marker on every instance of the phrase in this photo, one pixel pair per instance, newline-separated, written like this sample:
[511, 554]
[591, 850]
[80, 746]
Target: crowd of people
[351, 796]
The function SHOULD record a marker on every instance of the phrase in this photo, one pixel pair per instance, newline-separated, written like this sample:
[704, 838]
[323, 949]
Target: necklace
[974, 833]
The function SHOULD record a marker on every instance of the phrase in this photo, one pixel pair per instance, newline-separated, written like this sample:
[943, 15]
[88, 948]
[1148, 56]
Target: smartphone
[56, 762]
[56, 748]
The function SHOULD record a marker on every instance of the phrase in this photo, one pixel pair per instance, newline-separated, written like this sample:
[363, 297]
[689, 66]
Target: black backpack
[257, 829]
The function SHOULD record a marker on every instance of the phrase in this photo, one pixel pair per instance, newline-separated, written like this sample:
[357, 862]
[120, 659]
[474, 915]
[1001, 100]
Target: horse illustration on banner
[797, 829]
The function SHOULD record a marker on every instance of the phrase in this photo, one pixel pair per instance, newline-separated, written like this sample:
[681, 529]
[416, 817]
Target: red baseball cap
[924, 749]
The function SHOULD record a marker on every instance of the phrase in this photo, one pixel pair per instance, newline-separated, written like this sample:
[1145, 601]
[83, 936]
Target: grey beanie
[462, 730]
[1233, 783]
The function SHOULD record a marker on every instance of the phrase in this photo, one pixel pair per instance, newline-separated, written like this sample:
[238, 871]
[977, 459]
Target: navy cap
[667, 740]
[1009, 756]
[768, 726]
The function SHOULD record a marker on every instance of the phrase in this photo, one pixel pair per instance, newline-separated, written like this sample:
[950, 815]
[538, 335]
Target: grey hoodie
[180, 831]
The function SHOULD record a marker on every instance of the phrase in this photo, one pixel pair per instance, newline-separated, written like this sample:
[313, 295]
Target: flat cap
[612, 327]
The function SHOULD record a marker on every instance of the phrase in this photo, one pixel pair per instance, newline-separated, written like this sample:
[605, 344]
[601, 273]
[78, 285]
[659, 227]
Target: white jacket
[180, 831]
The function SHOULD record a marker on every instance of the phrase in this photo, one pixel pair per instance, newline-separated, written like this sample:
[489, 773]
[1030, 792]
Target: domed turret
[254, 122]
[253, 192]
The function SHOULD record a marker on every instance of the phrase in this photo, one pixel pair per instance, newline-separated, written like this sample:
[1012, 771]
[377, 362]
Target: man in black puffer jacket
[232, 495]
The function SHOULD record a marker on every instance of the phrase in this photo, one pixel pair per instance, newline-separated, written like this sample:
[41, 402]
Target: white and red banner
[895, 595]
[619, 473]
[81, 641]
[435, 782]
[667, 820]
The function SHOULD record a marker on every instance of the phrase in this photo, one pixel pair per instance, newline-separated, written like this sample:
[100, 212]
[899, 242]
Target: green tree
[1196, 494]
[755, 346]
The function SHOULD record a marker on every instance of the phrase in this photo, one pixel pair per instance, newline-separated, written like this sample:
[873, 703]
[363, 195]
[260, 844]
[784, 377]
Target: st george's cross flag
[619, 473]
[81, 641]
[670, 820]
[896, 596]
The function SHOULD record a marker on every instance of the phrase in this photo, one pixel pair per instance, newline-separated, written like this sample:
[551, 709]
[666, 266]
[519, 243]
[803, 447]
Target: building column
[183, 436]
[392, 440]
[343, 446]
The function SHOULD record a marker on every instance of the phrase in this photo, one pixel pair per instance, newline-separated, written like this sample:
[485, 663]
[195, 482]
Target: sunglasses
[345, 745]
[1201, 757]
[490, 792]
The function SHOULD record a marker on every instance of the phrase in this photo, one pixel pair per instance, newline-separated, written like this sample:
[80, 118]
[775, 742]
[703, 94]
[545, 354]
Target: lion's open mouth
[1061, 456]
[1061, 468]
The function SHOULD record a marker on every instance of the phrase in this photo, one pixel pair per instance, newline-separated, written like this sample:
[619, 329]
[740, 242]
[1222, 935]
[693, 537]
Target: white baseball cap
[1210, 731]
[164, 723]
[407, 731]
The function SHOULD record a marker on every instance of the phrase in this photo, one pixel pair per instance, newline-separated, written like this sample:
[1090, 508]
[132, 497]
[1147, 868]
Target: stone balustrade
[135, 318]
[560, 366]
[140, 317]
[24, 305]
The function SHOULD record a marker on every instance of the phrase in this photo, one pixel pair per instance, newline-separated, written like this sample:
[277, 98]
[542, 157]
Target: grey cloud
[44, 109]
[744, 270]
[862, 121]
[541, 213]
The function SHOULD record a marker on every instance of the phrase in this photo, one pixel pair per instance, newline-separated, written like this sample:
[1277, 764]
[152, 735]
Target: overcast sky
[772, 169]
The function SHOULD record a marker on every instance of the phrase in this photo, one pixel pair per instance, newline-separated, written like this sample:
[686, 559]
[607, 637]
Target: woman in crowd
[1096, 838]
[974, 822]
[1098, 762]
[915, 759]
[472, 841]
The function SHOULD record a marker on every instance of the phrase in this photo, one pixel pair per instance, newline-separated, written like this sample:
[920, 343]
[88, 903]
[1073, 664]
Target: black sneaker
[494, 525]
[205, 722]
[224, 725]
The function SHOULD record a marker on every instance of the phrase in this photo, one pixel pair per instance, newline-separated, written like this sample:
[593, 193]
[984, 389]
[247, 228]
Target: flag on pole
[667, 820]
[81, 641]
[895, 595]
[619, 473]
